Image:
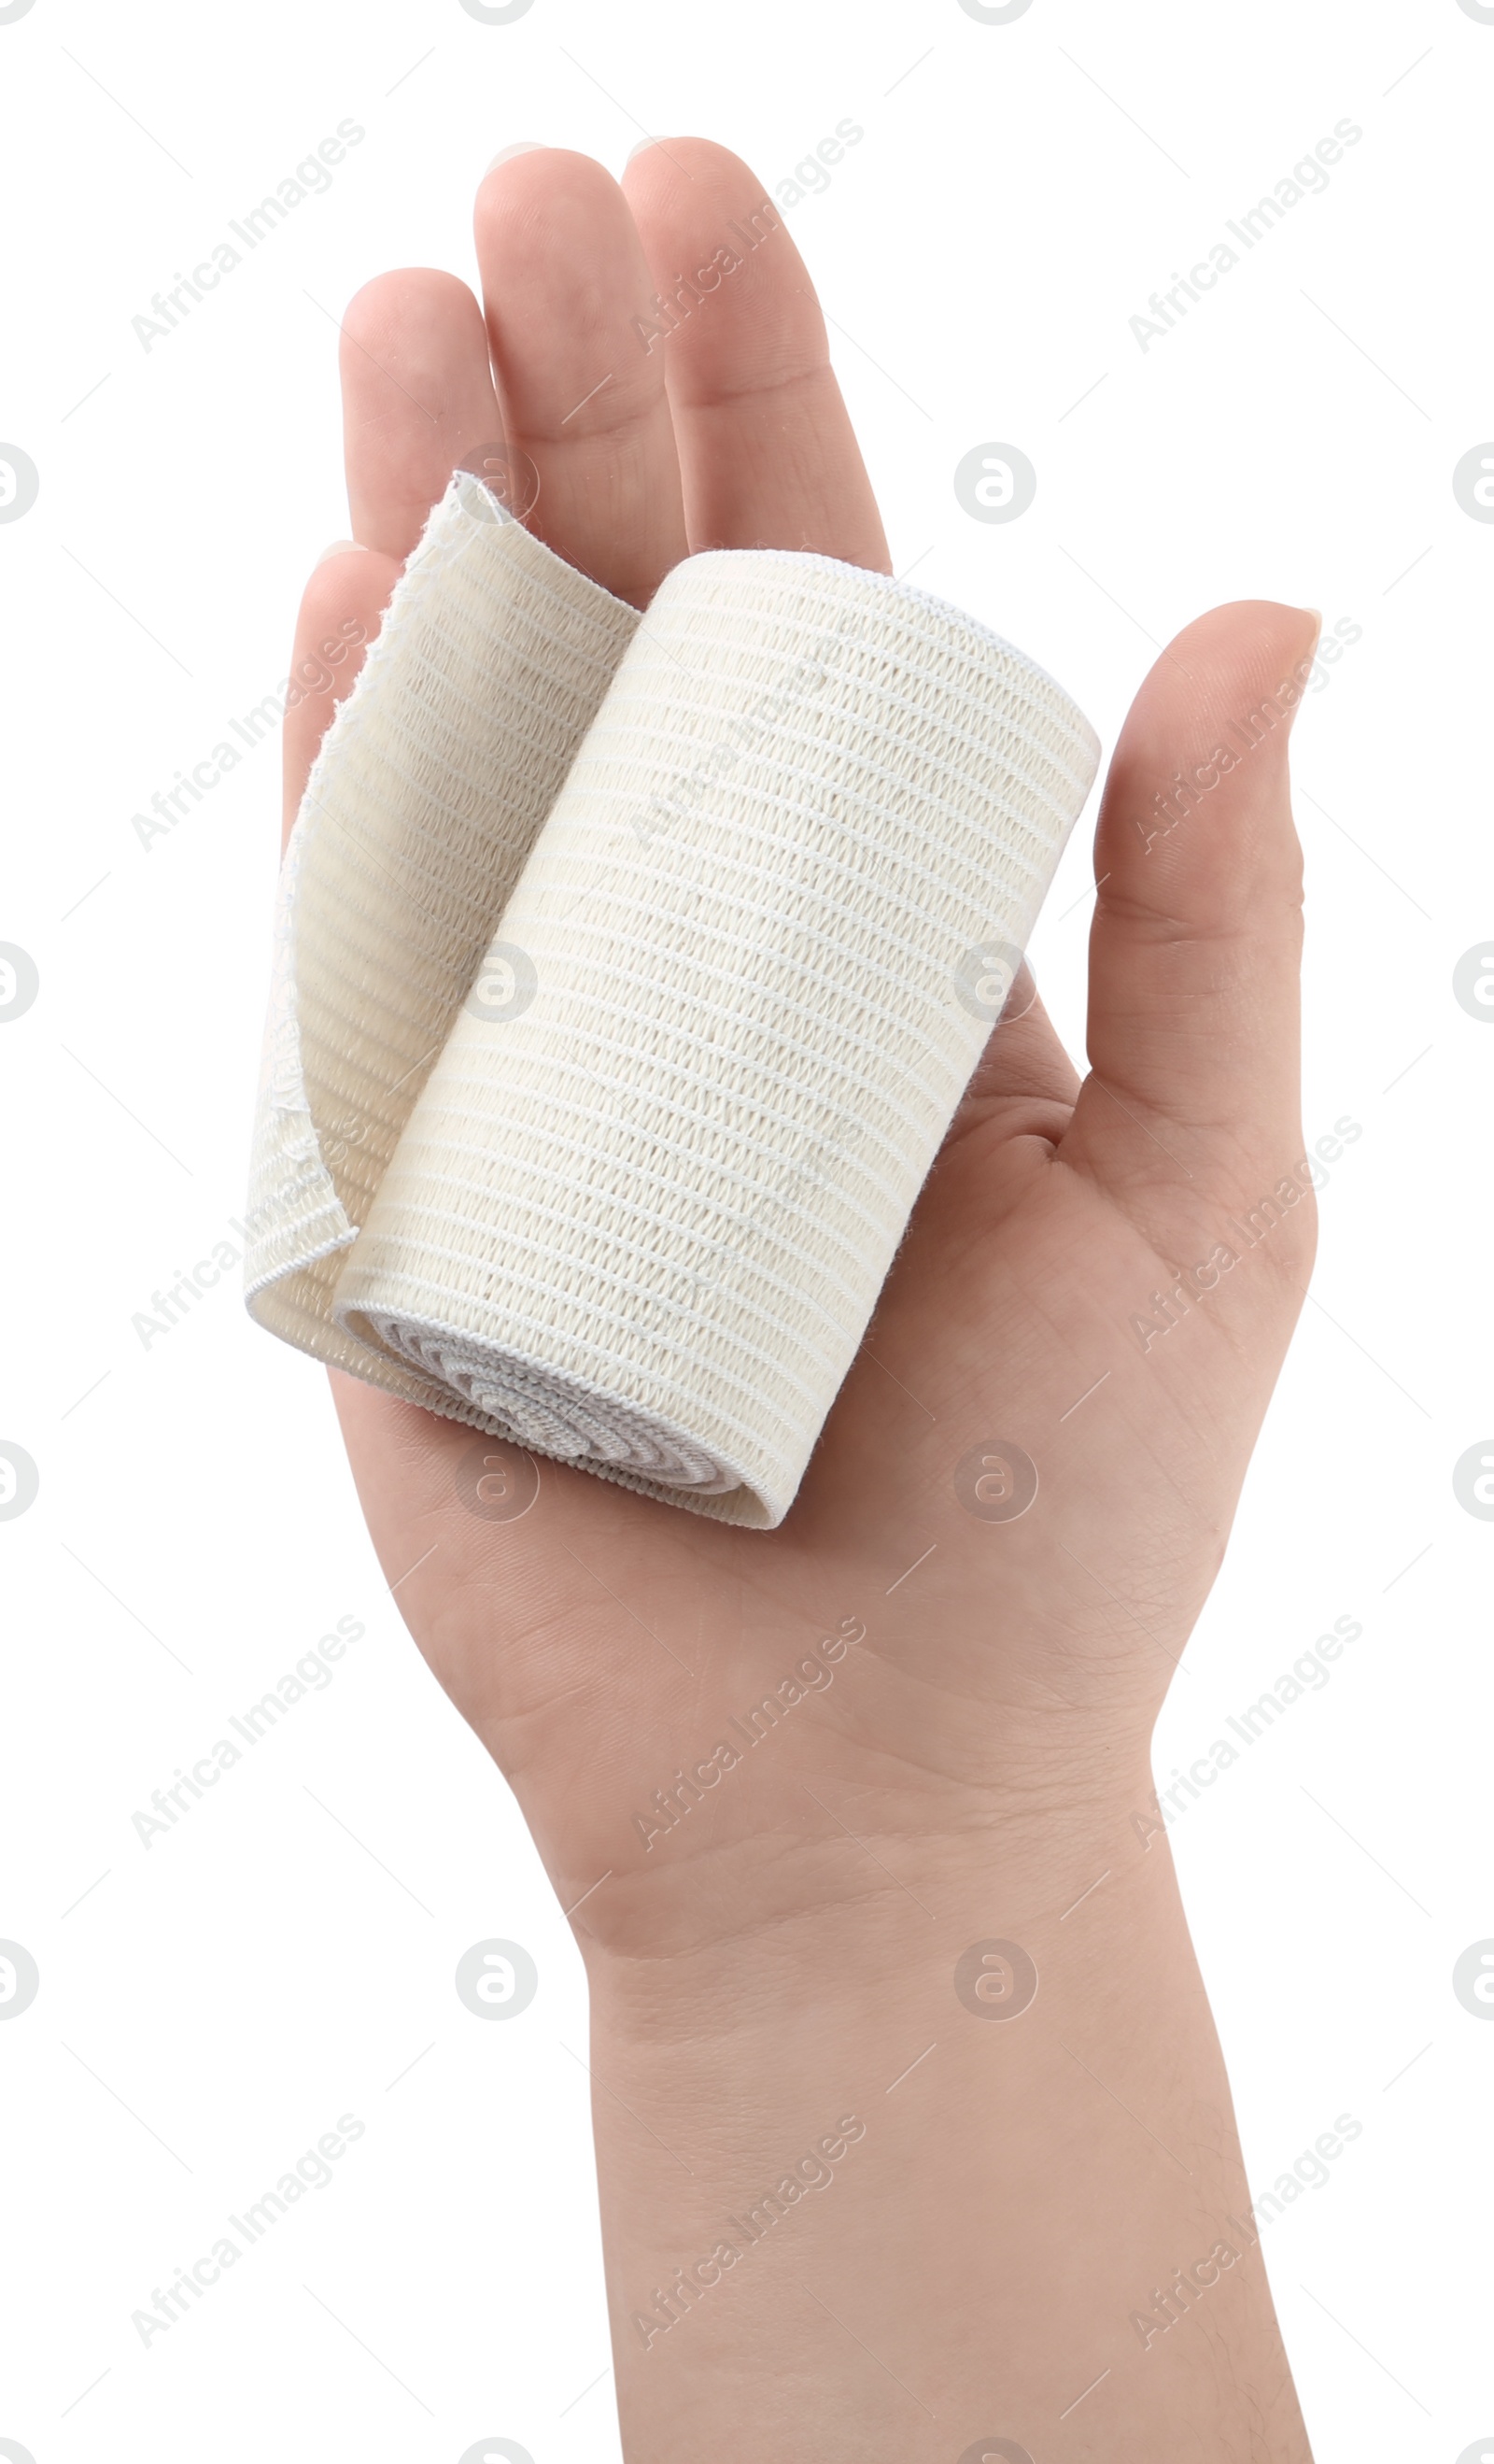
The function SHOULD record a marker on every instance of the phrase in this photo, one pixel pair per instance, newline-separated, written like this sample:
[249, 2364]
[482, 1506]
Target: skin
[780, 1960]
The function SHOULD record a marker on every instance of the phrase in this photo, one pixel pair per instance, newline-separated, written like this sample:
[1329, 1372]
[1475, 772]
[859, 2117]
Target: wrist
[1006, 2048]
[704, 1931]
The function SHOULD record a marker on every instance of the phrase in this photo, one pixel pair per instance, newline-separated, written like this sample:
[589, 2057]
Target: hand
[973, 1760]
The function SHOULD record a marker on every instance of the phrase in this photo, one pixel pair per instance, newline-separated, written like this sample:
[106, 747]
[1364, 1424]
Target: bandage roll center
[628, 978]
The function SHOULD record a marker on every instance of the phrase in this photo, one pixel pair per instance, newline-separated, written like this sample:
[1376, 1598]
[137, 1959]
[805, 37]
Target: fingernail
[643, 145]
[1316, 614]
[525, 146]
[338, 547]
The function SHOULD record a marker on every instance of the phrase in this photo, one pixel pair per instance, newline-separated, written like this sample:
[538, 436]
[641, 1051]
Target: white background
[210, 2006]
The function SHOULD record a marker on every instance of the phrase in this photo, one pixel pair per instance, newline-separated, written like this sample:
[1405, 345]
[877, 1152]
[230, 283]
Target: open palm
[610, 1650]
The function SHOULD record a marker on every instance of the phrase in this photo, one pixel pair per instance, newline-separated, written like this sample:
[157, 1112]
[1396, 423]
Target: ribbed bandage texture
[615, 1030]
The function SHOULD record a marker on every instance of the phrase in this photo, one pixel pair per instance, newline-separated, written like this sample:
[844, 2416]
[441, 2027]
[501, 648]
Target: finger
[417, 398]
[1023, 1065]
[341, 612]
[1194, 949]
[564, 277]
[765, 445]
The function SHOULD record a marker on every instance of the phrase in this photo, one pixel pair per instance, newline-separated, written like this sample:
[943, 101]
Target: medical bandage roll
[690, 1034]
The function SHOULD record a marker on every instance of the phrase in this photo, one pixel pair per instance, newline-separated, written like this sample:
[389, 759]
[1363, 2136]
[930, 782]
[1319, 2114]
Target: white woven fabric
[640, 1208]
[426, 794]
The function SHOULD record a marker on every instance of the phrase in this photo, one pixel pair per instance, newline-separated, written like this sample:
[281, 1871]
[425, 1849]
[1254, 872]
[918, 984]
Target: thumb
[1195, 945]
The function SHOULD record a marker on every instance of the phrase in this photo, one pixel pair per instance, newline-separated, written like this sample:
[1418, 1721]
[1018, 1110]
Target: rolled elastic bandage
[627, 975]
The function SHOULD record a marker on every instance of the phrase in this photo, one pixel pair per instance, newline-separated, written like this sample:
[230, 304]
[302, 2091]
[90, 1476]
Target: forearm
[1009, 2192]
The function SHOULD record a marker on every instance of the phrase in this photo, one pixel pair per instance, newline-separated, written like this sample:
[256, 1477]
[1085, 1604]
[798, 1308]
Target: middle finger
[564, 277]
